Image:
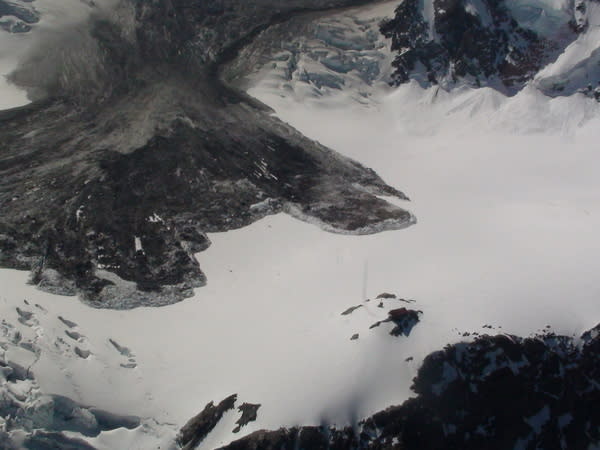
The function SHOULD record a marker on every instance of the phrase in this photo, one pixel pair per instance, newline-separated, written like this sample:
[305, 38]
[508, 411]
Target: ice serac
[321, 56]
[136, 148]
[496, 392]
[34, 419]
[17, 16]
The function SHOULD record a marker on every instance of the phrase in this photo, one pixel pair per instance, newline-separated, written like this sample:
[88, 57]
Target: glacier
[505, 192]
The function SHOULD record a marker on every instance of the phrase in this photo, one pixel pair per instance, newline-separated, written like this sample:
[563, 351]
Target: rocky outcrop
[483, 43]
[249, 414]
[496, 392]
[194, 432]
[404, 321]
[109, 185]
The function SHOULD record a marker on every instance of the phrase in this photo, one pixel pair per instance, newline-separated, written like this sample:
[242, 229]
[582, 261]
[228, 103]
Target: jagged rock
[496, 392]
[249, 413]
[194, 432]
[479, 44]
[404, 320]
[592, 336]
[303, 438]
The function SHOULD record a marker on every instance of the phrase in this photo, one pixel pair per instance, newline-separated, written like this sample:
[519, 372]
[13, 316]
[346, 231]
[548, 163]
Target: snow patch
[138, 245]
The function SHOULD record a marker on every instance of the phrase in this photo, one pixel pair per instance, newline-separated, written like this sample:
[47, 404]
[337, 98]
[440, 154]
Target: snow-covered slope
[576, 69]
[507, 197]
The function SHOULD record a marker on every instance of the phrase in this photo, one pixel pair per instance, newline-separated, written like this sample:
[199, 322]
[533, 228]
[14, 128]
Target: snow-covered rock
[495, 392]
[502, 44]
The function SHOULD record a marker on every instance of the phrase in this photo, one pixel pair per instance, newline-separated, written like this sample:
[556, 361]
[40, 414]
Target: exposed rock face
[478, 43]
[497, 392]
[194, 432]
[249, 414]
[109, 185]
[403, 319]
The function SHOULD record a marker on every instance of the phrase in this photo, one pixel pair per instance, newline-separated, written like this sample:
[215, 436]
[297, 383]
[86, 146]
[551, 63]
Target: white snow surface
[506, 236]
[507, 196]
